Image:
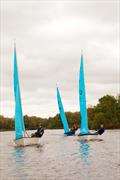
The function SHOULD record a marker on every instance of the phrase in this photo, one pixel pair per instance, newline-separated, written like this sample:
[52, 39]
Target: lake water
[61, 158]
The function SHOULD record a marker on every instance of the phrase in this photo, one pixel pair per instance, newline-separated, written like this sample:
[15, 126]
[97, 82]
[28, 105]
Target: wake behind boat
[21, 136]
[85, 133]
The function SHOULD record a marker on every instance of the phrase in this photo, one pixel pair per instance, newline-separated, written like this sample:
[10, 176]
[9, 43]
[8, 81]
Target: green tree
[108, 105]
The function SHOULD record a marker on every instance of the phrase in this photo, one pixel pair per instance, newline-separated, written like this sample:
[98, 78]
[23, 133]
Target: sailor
[74, 128]
[39, 133]
[101, 130]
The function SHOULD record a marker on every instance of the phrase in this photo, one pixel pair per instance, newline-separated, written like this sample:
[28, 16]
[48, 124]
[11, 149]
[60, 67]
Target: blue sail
[62, 114]
[82, 101]
[19, 122]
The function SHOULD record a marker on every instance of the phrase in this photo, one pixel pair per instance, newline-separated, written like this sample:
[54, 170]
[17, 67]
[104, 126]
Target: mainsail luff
[19, 122]
[62, 113]
[82, 101]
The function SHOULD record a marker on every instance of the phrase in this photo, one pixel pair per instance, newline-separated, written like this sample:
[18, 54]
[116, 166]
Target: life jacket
[75, 127]
[101, 131]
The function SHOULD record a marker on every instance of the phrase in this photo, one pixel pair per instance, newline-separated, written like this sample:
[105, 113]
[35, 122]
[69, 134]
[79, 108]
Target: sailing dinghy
[85, 133]
[21, 136]
[67, 131]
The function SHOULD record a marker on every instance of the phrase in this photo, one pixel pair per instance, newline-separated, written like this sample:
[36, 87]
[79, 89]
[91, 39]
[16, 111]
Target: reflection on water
[19, 157]
[84, 151]
[40, 147]
[61, 158]
[19, 153]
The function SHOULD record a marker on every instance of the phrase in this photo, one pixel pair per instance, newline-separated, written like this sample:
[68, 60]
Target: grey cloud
[49, 38]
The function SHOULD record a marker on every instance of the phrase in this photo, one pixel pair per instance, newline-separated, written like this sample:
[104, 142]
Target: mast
[62, 113]
[82, 101]
[19, 122]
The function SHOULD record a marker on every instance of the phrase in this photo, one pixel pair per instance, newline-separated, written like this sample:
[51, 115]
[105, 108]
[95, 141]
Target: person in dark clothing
[39, 133]
[101, 130]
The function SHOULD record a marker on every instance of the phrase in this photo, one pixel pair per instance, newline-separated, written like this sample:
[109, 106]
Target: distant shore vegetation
[106, 112]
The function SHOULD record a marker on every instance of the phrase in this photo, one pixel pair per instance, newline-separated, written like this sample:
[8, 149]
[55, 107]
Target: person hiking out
[39, 132]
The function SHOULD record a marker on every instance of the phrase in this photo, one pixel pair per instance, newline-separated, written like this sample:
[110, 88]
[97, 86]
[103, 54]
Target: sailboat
[85, 133]
[82, 101]
[21, 136]
[67, 131]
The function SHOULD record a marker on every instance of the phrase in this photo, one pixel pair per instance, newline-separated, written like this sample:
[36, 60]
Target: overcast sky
[49, 37]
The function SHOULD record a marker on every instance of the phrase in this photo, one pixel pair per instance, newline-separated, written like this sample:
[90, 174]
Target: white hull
[27, 141]
[89, 138]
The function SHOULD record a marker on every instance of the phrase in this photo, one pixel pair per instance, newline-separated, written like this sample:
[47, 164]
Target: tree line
[106, 112]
